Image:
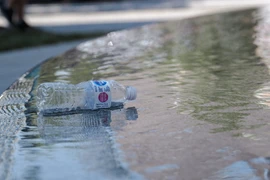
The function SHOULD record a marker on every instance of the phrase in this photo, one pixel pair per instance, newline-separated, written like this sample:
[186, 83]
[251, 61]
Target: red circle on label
[103, 97]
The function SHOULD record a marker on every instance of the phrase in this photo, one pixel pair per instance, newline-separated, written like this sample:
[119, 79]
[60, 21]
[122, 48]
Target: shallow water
[202, 109]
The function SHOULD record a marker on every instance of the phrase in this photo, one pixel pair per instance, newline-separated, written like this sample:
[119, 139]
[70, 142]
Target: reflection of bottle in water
[55, 97]
[82, 126]
[86, 142]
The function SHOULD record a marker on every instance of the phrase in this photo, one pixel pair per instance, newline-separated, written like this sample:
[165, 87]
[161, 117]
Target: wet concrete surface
[202, 106]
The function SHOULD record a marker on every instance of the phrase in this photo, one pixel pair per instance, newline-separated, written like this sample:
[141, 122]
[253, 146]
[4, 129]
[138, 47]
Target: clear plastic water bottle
[61, 97]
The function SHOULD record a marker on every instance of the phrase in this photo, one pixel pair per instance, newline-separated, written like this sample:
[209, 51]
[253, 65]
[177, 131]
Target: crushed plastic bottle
[62, 97]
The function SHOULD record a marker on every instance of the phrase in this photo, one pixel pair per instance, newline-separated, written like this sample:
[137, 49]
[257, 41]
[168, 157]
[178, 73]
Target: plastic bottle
[61, 97]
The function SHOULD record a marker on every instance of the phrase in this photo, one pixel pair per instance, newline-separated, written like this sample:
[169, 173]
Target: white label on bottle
[102, 94]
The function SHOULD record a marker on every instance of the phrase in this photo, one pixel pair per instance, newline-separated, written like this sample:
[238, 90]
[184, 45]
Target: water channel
[202, 110]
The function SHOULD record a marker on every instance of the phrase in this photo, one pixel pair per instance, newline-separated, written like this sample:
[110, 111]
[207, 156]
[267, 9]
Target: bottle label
[102, 94]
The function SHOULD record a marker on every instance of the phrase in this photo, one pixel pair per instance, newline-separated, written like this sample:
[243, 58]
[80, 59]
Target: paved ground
[16, 63]
[115, 16]
[101, 17]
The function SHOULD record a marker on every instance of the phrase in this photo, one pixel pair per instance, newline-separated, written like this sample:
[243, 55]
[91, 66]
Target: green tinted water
[208, 65]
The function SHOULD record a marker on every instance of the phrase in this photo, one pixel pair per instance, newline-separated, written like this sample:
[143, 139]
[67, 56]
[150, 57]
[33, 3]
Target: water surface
[202, 106]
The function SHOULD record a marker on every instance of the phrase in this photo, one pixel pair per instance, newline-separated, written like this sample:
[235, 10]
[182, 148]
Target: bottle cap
[131, 93]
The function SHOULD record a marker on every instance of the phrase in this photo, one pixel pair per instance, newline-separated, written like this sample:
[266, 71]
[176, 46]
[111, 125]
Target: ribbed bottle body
[85, 95]
[60, 96]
